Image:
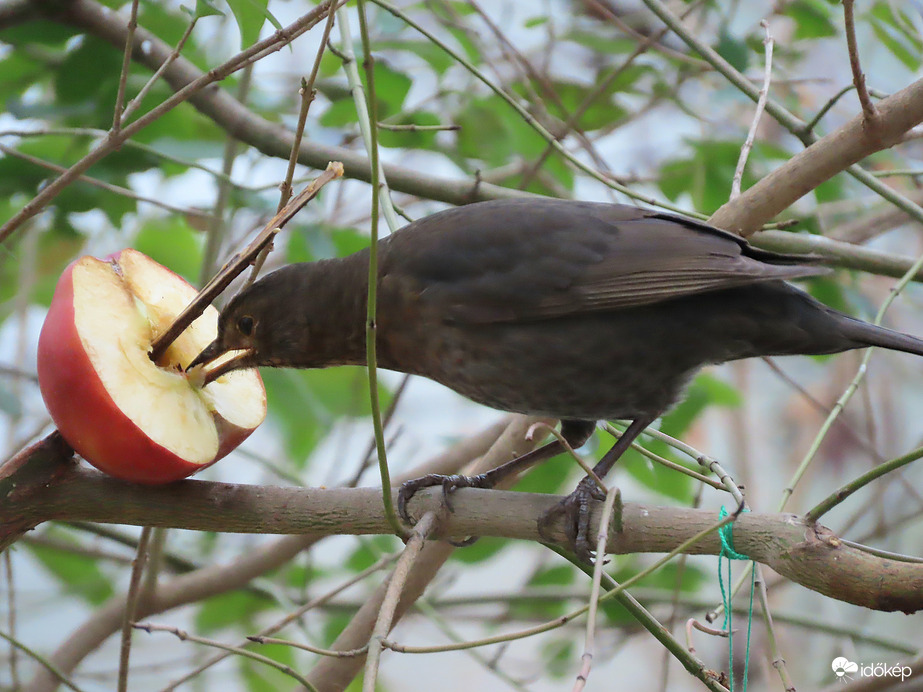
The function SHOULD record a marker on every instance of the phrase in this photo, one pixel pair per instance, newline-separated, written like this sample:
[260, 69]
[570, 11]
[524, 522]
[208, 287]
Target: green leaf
[250, 15]
[174, 244]
[305, 403]
[734, 51]
[559, 656]
[231, 609]
[369, 551]
[705, 391]
[483, 549]
[261, 677]
[812, 19]
[204, 8]
[409, 139]
[430, 53]
[707, 174]
[897, 33]
[78, 575]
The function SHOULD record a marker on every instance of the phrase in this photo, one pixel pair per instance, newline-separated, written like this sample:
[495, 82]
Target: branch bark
[812, 557]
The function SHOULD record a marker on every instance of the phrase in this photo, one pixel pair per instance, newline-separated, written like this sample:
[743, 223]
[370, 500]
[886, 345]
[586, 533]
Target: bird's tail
[867, 334]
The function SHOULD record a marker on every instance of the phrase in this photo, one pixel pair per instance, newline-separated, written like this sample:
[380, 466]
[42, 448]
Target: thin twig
[692, 624]
[183, 635]
[332, 653]
[663, 461]
[602, 534]
[393, 595]
[216, 225]
[840, 494]
[307, 93]
[115, 140]
[43, 661]
[136, 102]
[367, 112]
[241, 260]
[570, 450]
[109, 187]
[777, 661]
[868, 108]
[757, 114]
[131, 605]
[126, 64]
[307, 97]
[11, 617]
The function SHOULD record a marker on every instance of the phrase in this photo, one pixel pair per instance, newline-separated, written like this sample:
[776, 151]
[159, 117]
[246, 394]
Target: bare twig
[131, 604]
[216, 226]
[581, 462]
[307, 93]
[393, 595]
[109, 187]
[692, 624]
[115, 139]
[136, 102]
[264, 636]
[183, 635]
[777, 661]
[54, 670]
[868, 108]
[241, 260]
[126, 65]
[590, 642]
[758, 113]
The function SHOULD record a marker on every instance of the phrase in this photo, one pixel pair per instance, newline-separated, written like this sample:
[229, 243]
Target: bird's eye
[245, 325]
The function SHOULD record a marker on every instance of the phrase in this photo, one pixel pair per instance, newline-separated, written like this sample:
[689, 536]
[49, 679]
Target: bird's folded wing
[582, 257]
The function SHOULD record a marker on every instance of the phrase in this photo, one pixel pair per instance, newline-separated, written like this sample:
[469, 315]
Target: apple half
[127, 415]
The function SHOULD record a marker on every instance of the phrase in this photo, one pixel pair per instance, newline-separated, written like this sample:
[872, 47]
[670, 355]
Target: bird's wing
[540, 259]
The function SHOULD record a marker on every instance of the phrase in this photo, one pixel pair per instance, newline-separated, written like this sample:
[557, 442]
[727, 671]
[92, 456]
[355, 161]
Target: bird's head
[300, 316]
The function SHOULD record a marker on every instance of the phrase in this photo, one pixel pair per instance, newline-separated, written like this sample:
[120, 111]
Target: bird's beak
[239, 360]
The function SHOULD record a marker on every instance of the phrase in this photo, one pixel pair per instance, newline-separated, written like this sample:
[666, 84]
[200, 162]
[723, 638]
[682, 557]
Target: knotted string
[726, 534]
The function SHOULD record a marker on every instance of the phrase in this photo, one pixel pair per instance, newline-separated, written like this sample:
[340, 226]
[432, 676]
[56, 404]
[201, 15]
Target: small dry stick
[570, 450]
[393, 595]
[131, 605]
[691, 624]
[126, 64]
[307, 93]
[241, 260]
[590, 642]
[135, 103]
[184, 636]
[760, 106]
[777, 661]
[869, 111]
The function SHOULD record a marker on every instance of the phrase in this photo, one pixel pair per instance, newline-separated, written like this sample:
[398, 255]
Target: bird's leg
[576, 432]
[576, 506]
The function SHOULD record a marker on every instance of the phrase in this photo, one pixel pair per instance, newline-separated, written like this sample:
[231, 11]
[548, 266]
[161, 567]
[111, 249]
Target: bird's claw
[575, 510]
[449, 485]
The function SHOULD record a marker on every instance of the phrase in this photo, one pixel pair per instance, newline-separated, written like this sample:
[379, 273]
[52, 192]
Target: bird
[578, 311]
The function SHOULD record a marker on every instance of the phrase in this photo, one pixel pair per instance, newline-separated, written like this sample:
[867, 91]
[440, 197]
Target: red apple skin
[86, 415]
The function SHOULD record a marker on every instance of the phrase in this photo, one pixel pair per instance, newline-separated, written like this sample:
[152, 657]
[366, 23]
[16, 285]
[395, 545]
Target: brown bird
[573, 310]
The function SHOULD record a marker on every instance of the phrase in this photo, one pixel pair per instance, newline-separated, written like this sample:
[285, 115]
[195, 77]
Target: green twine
[726, 533]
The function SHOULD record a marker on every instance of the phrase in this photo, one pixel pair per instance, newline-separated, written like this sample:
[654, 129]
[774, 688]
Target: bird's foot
[575, 510]
[449, 485]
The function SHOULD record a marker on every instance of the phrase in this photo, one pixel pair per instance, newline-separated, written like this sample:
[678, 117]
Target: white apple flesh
[128, 416]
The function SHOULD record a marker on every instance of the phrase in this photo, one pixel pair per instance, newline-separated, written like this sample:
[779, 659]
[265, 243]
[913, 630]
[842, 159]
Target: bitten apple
[127, 415]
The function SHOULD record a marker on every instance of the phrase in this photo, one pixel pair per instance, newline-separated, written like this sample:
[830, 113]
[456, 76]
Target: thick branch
[811, 557]
[821, 161]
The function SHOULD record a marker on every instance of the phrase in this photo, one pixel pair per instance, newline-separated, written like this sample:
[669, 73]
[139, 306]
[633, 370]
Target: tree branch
[813, 557]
